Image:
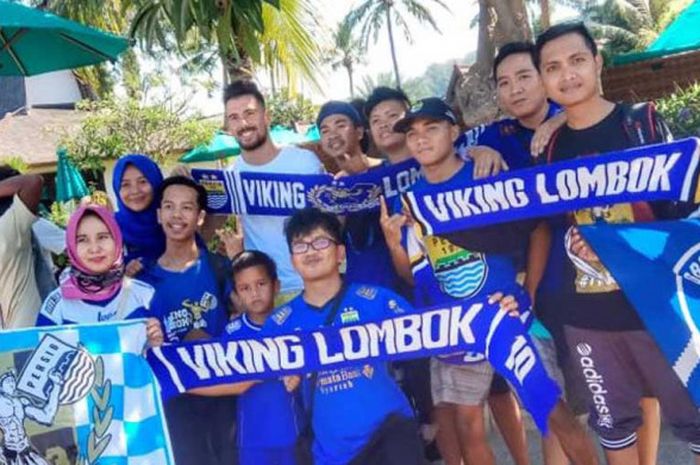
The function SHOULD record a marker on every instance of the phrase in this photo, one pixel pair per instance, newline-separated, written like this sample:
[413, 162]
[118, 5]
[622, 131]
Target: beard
[257, 143]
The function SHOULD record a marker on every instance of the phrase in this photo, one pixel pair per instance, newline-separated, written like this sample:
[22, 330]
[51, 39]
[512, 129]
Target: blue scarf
[658, 172]
[283, 194]
[142, 234]
[473, 326]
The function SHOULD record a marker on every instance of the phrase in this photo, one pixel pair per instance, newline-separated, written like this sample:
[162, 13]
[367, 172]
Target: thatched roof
[34, 136]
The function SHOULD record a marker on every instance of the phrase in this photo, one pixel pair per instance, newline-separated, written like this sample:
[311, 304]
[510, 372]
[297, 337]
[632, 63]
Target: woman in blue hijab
[135, 183]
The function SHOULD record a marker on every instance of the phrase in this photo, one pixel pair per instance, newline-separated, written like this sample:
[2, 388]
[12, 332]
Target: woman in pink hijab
[96, 289]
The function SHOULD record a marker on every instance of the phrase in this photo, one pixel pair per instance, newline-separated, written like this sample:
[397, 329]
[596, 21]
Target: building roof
[34, 136]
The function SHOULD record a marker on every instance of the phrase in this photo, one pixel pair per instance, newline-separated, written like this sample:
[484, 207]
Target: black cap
[430, 108]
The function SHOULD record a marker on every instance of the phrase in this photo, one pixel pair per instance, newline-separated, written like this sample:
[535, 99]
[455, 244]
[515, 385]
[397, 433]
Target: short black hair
[306, 220]
[382, 94]
[243, 87]
[6, 172]
[187, 182]
[563, 29]
[513, 48]
[249, 259]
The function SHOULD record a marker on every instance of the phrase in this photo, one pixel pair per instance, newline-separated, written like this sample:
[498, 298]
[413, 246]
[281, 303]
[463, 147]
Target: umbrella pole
[7, 45]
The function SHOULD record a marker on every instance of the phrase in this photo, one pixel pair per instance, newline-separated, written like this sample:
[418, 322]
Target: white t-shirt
[19, 295]
[266, 233]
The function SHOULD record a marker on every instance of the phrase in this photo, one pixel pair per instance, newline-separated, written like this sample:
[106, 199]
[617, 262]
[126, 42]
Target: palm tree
[630, 25]
[346, 52]
[371, 15]
[241, 34]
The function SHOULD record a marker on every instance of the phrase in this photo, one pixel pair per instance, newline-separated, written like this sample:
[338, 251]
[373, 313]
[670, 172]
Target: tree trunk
[348, 67]
[545, 19]
[392, 46]
[237, 68]
[500, 22]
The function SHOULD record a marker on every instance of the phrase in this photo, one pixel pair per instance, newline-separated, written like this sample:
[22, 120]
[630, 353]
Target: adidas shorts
[614, 370]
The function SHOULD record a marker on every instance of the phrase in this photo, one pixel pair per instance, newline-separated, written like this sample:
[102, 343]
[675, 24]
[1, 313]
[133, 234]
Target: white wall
[52, 88]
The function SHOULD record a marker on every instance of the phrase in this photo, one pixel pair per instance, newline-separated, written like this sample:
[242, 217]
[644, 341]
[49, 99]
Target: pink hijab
[82, 283]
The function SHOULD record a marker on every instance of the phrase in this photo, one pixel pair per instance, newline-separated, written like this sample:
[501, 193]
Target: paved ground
[671, 450]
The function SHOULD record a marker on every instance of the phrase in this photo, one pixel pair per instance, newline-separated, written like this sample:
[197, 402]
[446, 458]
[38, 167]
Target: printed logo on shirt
[349, 315]
[592, 276]
[233, 326]
[281, 315]
[367, 292]
[333, 381]
[190, 315]
[595, 384]
[368, 371]
[461, 273]
[395, 307]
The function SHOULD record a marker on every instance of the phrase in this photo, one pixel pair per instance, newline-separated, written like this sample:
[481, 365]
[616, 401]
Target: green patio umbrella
[223, 145]
[69, 182]
[34, 42]
[220, 147]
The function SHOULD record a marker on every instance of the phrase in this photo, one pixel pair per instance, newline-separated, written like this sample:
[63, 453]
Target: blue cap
[432, 108]
[336, 107]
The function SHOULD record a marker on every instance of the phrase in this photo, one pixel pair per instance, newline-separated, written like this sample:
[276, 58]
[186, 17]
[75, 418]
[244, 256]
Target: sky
[428, 47]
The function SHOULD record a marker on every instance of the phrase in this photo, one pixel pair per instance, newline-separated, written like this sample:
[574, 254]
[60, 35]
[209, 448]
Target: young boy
[602, 331]
[358, 414]
[459, 266]
[268, 413]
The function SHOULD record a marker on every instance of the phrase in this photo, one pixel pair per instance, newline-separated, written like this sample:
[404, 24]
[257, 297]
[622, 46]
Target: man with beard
[19, 295]
[247, 120]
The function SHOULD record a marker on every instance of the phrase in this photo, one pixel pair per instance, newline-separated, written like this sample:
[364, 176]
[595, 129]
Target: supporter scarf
[283, 194]
[81, 283]
[140, 230]
[658, 172]
[473, 326]
[657, 266]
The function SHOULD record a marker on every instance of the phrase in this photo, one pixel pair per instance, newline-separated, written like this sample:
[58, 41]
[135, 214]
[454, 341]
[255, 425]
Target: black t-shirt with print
[573, 291]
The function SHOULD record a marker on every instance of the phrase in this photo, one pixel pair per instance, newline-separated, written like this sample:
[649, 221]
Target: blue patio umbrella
[69, 182]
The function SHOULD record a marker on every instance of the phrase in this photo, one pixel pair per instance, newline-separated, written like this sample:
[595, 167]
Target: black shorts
[395, 442]
[614, 370]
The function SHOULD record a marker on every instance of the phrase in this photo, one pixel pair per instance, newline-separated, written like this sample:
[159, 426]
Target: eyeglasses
[320, 243]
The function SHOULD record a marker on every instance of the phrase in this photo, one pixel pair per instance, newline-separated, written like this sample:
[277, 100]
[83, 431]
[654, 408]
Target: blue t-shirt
[444, 272]
[507, 136]
[187, 300]
[268, 415]
[349, 404]
[131, 302]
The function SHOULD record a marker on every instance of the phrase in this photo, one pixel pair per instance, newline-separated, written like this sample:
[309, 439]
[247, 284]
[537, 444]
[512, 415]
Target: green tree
[346, 52]
[372, 15]
[287, 110]
[241, 34]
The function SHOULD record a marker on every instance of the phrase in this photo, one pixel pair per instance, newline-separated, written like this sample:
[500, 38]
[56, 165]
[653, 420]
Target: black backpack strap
[643, 125]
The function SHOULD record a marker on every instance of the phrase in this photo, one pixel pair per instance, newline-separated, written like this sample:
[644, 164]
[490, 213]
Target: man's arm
[392, 227]
[537, 256]
[27, 187]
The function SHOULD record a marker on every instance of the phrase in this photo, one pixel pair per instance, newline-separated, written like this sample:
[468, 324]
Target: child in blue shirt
[268, 413]
[358, 414]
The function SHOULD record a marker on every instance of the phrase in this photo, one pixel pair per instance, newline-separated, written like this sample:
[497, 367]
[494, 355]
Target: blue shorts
[267, 456]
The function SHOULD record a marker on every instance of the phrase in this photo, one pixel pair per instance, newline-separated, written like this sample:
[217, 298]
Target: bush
[113, 128]
[681, 110]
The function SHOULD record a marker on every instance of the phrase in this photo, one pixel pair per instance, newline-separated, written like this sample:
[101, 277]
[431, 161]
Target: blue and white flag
[472, 326]
[657, 266]
[80, 395]
[283, 194]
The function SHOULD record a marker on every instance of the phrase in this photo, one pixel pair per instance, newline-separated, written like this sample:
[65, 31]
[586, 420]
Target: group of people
[314, 269]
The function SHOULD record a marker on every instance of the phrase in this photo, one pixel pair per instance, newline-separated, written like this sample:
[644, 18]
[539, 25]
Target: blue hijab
[143, 236]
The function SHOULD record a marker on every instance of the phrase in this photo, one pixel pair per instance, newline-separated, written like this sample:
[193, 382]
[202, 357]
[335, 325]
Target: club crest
[216, 190]
[459, 272]
[35, 406]
[338, 199]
